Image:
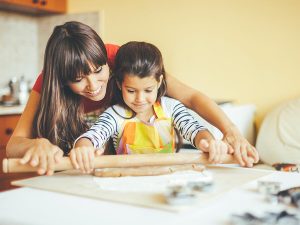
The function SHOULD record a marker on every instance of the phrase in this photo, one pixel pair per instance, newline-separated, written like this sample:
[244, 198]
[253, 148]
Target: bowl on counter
[9, 100]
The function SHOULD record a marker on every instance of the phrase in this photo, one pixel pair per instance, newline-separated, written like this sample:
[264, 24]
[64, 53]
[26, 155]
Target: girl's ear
[160, 80]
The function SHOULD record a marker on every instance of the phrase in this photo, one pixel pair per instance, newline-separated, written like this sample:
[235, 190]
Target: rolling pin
[12, 165]
[146, 170]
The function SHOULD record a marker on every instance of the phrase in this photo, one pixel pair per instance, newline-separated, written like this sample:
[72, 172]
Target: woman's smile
[92, 86]
[94, 93]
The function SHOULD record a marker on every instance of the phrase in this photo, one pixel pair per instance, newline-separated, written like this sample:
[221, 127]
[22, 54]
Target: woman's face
[92, 86]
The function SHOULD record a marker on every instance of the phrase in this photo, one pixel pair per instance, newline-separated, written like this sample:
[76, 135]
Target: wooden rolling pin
[146, 170]
[112, 161]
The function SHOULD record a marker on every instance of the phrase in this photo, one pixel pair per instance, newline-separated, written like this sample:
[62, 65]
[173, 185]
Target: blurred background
[236, 50]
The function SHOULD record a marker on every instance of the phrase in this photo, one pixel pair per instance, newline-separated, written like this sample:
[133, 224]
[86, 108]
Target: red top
[89, 105]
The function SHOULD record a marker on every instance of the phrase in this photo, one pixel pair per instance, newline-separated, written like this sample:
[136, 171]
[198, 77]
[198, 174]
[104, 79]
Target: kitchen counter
[11, 110]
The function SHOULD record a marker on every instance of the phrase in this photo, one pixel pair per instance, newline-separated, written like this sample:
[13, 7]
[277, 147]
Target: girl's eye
[99, 70]
[130, 91]
[148, 91]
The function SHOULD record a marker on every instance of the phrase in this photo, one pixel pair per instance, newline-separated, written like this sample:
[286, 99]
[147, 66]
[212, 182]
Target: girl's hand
[43, 155]
[217, 149]
[83, 158]
[243, 151]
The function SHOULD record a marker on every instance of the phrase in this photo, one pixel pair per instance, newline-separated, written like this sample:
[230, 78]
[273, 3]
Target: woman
[75, 80]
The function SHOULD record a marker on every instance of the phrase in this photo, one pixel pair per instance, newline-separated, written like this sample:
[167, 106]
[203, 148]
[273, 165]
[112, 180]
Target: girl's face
[92, 86]
[140, 94]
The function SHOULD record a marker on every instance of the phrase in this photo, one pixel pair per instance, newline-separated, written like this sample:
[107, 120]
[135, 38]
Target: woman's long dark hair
[143, 60]
[73, 50]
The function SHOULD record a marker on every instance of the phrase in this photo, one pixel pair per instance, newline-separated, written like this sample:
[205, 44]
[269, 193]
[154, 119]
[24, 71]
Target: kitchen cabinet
[37, 7]
[8, 124]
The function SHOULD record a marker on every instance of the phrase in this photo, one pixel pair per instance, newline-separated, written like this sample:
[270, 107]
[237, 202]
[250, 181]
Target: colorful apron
[138, 137]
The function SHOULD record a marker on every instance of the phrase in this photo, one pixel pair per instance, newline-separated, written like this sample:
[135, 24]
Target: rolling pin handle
[5, 165]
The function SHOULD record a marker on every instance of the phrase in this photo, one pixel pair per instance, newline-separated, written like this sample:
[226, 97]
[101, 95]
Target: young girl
[74, 81]
[143, 121]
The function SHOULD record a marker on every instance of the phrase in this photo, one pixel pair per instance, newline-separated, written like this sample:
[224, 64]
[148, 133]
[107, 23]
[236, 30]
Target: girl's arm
[244, 152]
[37, 152]
[91, 142]
[184, 122]
[101, 131]
[198, 135]
[83, 154]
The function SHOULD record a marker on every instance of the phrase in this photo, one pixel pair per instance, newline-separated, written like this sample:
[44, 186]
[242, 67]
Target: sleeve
[38, 83]
[185, 123]
[111, 54]
[102, 130]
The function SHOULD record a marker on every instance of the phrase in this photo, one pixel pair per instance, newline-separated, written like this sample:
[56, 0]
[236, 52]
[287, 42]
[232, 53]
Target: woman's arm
[21, 139]
[244, 152]
[198, 102]
[35, 151]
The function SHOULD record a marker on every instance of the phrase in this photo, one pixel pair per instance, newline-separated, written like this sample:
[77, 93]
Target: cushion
[278, 139]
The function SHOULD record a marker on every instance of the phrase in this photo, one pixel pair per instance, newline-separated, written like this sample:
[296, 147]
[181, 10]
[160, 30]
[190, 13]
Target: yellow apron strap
[158, 110]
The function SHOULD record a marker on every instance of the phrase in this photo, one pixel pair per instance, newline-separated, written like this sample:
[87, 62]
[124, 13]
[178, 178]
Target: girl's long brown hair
[73, 50]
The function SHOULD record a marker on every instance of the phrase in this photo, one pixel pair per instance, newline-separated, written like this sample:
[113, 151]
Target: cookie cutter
[180, 195]
[201, 186]
[268, 187]
[290, 196]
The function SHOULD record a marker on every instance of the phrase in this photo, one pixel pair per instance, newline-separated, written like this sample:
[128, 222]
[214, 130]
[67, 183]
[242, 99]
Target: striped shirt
[109, 123]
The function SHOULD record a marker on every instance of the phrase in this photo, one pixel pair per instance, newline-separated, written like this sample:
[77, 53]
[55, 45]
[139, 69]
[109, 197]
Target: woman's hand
[216, 149]
[44, 155]
[83, 158]
[242, 150]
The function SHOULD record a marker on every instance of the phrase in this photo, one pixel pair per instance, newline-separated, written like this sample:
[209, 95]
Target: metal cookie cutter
[269, 189]
[268, 218]
[201, 186]
[179, 195]
[290, 196]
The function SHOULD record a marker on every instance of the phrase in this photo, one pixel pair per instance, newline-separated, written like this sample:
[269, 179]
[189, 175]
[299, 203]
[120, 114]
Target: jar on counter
[19, 90]
[23, 91]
